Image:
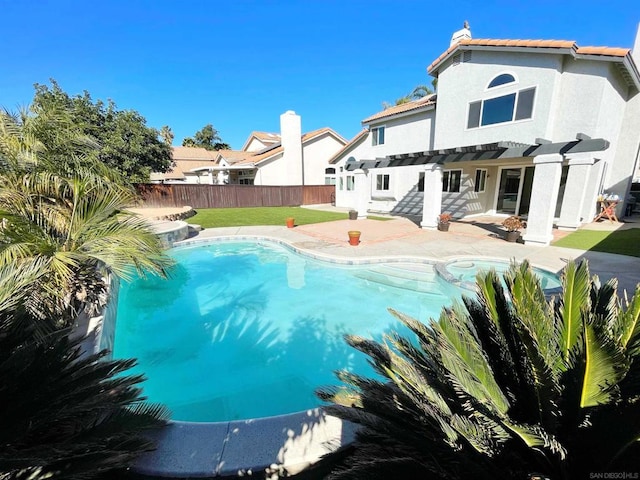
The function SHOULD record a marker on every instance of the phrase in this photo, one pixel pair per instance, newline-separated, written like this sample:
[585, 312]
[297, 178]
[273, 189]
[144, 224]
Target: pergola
[547, 157]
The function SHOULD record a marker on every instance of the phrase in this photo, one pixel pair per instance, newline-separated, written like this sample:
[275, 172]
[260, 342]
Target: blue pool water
[245, 330]
[466, 271]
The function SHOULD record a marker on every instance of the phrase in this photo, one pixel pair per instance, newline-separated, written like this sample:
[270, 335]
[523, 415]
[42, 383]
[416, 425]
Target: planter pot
[513, 236]
[443, 227]
[290, 222]
[354, 237]
[353, 215]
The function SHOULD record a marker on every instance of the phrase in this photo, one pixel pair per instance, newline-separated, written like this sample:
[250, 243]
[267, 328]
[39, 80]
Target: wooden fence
[229, 196]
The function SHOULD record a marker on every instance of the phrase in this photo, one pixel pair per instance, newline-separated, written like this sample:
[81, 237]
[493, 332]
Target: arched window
[501, 79]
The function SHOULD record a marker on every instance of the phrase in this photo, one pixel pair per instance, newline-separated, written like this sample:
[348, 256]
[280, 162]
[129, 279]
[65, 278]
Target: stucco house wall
[315, 155]
[467, 82]
[404, 133]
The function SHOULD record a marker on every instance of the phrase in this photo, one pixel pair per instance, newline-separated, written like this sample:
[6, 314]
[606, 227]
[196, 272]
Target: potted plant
[290, 222]
[354, 237]
[513, 224]
[443, 222]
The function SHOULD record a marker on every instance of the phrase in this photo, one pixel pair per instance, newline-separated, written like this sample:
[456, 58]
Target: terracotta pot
[290, 222]
[354, 237]
[513, 236]
[443, 227]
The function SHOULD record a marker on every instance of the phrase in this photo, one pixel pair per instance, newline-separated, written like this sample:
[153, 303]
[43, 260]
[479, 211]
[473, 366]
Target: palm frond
[575, 301]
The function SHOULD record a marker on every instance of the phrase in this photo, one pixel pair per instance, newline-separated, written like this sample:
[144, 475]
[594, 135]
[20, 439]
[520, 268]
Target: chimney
[291, 139]
[463, 34]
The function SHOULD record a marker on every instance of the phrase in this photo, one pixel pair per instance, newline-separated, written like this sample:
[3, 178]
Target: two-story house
[287, 158]
[537, 128]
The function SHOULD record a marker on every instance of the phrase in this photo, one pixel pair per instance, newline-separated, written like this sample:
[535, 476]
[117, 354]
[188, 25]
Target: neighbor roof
[265, 137]
[192, 153]
[423, 102]
[242, 157]
[568, 47]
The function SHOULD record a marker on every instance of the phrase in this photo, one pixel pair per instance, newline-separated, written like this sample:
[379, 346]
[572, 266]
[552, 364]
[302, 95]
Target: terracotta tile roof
[350, 145]
[316, 133]
[266, 136]
[569, 45]
[606, 51]
[256, 157]
[405, 107]
[192, 153]
[232, 156]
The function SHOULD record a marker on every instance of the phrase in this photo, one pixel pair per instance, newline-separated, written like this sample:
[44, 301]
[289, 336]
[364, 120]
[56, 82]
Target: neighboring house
[187, 167]
[537, 128]
[288, 158]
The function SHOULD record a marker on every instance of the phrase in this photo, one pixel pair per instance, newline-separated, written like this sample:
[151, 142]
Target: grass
[623, 242]
[239, 217]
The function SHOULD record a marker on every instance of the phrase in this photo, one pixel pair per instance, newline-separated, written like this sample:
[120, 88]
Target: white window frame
[375, 135]
[350, 182]
[447, 188]
[513, 113]
[510, 84]
[483, 176]
[381, 177]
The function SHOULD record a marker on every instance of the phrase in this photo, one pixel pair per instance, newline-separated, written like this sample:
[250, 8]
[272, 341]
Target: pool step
[417, 277]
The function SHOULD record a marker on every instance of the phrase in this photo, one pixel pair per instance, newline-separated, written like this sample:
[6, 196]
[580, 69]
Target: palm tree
[167, 135]
[78, 230]
[419, 92]
[504, 386]
[45, 138]
[63, 415]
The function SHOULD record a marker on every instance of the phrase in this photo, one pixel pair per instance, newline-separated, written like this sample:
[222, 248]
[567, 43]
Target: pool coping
[273, 446]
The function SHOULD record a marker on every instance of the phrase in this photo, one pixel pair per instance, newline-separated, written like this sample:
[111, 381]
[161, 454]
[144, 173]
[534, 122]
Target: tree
[78, 231]
[64, 415]
[124, 142]
[167, 135]
[417, 93]
[208, 138]
[503, 386]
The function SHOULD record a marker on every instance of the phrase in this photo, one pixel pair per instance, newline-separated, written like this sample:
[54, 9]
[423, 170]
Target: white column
[432, 203]
[211, 182]
[590, 206]
[544, 196]
[575, 190]
[362, 186]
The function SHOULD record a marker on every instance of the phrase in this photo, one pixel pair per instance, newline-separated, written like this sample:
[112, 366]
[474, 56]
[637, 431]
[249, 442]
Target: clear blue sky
[239, 64]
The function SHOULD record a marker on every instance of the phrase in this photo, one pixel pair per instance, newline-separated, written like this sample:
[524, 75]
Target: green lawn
[238, 217]
[624, 242]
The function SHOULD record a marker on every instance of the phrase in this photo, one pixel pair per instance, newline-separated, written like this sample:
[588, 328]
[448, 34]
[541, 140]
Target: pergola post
[432, 203]
[362, 187]
[544, 196]
[580, 166]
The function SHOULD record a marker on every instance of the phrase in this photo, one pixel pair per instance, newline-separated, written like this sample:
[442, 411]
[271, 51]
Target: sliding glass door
[514, 190]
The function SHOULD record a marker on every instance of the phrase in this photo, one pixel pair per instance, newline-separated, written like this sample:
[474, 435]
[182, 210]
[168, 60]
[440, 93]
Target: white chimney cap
[465, 33]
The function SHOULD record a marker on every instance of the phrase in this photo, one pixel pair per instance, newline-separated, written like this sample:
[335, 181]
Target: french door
[514, 190]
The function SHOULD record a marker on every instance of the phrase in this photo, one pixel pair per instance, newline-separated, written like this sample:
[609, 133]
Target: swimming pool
[248, 329]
